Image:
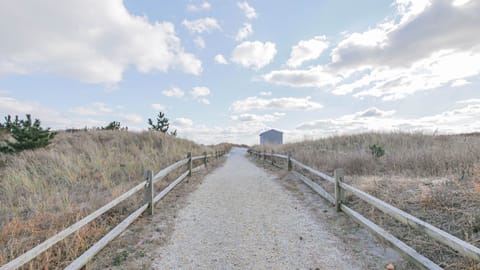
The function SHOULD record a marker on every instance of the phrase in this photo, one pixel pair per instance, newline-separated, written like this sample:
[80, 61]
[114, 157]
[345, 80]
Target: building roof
[271, 130]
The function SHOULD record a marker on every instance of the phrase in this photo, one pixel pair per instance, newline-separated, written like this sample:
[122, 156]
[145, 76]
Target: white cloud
[425, 74]
[314, 77]
[263, 93]
[244, 32]
[159, 107]
[14, 106]
[248, 10]
[131, 118]
[285, 103]
[459, 120]
[248, 117]
[307, 50]
[182, 122]
[174, 92]
[240, 132]
[468, 101]
[96, 108]
[459, 83]
[94, 47]
[460, 2]
[254, 54]
[200, 42]
[204, 101]
[202, 25]
[95, 114]
[373, 112]
[200, 93]
[220, 59]
[199, 7]
[401, 56]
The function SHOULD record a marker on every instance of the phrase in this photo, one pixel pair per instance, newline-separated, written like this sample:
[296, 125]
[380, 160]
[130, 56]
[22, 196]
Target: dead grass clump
[46, 190]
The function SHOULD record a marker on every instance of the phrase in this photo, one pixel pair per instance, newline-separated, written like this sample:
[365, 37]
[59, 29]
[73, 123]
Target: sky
[224, 71]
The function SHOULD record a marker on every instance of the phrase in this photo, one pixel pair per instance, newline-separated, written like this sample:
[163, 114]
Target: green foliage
[112, 126]
[376, 150]
[26, 134]
[162, 124]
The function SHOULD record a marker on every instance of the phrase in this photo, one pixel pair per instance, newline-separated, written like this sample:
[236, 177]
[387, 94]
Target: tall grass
[410, 154]
[436, 178]
[45, 190]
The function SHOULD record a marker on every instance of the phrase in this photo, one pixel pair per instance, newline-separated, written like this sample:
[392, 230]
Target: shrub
[162, 124]
[112, 126]
[26, 134]
[376, 150]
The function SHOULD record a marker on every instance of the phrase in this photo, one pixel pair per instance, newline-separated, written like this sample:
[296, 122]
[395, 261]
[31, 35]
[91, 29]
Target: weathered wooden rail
[148, 204]
[462, 247]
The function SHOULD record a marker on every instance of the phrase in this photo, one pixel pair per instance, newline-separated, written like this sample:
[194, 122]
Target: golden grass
[409, 154]
[436, 178]
[46, 190]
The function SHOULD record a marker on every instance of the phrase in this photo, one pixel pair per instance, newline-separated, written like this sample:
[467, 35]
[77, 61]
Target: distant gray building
[271, 136]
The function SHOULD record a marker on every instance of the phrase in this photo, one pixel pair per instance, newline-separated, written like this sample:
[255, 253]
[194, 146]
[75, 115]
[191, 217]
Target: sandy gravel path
[241, 218]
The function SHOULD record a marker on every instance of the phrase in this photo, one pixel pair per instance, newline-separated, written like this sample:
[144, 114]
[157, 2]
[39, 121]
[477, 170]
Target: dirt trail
[240, 217]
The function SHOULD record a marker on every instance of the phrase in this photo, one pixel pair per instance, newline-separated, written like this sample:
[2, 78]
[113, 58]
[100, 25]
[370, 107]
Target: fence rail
[462, 247]
[149, 203]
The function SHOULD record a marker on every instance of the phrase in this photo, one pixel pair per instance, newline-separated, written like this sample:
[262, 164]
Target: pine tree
[162, 124]
[27, 134]
[112, 126]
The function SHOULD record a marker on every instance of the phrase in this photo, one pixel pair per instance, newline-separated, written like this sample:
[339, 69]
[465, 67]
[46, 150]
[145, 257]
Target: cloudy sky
[227, 70]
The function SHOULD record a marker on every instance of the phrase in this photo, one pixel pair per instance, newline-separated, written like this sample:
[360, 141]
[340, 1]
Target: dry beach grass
[433, 177]
[44, 191]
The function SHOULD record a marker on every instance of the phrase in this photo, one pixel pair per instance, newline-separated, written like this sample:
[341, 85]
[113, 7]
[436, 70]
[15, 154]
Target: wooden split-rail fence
[148, 204]
[465, 249]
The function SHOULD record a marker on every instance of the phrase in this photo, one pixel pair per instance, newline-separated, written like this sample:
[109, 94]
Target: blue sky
[228, 70]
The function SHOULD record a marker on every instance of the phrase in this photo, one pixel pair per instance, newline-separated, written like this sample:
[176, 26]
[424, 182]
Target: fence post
[189, 156]
[338, 174]
[289, 166]
[205, 159]
[149, 191]
[273, 161]
[264, 157]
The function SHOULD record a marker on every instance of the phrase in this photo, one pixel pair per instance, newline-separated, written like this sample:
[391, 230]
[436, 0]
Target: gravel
[240, 217]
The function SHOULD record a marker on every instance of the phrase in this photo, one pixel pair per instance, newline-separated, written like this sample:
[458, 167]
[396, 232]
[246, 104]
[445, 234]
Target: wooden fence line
[92, 251]
[411, 254]
[464, 248]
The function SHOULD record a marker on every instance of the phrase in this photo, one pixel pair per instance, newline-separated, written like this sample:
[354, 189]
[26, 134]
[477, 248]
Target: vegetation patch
[43, 191]
[433, 177]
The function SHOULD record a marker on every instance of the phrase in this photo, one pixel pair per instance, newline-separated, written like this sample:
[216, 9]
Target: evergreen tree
[162, 124]
[112, 126]
[27, 134]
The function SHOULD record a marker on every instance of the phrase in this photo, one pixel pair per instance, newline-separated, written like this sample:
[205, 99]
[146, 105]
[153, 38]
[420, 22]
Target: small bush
[376, 150]
[162, 124]
[112, 126]
[26, 134]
